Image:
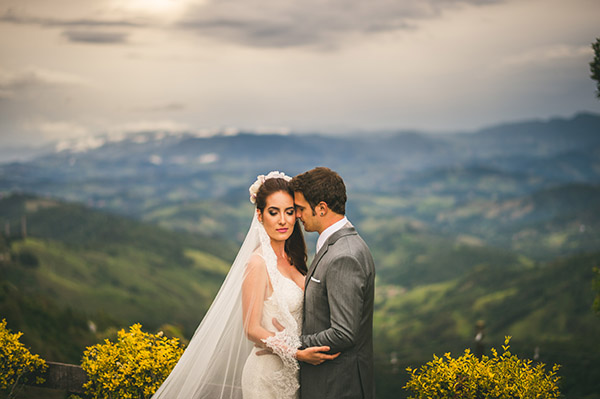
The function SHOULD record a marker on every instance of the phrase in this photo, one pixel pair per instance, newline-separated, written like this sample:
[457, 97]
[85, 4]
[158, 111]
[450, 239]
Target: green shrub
[499, 377]
[133, 367]
[17, 364]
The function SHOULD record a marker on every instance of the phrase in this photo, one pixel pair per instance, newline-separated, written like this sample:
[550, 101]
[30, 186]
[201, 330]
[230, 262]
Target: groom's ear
[321, 209]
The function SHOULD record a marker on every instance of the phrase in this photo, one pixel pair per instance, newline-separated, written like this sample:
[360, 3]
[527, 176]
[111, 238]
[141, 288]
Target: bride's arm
[254, 290]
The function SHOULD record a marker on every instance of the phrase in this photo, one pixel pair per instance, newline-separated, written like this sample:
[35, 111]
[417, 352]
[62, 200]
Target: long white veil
[211, 366]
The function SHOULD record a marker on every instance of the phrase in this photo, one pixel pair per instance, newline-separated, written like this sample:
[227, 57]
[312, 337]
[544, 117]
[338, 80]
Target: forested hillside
[65, 267]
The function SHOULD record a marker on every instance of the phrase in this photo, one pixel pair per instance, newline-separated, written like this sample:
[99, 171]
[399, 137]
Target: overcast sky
[77, 68]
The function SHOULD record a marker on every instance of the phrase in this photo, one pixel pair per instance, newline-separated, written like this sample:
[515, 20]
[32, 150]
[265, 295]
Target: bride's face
[279, 216]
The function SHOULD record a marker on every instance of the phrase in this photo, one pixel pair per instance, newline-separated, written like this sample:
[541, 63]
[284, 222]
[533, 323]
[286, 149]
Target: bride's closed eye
[289, 212]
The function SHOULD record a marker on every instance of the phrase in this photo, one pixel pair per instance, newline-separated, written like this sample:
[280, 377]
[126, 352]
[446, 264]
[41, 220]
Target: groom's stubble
[306, 214]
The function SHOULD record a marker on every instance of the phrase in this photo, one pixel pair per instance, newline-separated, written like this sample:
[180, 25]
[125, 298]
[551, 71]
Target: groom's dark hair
[322, 184]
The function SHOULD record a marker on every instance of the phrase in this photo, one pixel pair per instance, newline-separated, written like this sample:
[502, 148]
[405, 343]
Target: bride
[238, 351]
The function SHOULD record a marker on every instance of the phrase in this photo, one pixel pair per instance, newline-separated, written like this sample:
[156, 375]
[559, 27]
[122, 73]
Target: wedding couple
[280, 330]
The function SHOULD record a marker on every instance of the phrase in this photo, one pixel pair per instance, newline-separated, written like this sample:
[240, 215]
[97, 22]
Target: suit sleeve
[345, 282]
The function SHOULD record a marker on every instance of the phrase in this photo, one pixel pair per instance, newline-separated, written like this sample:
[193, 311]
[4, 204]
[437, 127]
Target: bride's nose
[282, 219]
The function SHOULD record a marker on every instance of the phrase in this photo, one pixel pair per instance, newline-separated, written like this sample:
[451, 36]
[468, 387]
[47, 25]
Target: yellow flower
[132, 367]
[501, 377]
[17, 364]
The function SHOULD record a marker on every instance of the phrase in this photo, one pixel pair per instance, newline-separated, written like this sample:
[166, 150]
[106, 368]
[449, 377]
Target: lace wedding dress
[275, 376]
[220, 361]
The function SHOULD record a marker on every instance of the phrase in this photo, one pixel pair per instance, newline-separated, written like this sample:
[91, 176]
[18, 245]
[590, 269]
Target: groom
[339, 290]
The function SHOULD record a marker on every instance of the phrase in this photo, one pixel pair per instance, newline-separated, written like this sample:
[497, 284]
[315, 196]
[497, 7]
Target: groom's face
[305, 213]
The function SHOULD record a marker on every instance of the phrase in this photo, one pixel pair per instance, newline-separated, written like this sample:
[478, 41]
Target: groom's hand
[315, 355]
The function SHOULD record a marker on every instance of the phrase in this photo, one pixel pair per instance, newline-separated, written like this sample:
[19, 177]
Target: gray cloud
[267, 23]
[36, 78]
[83, 30]
[97, 37]
[10, 16]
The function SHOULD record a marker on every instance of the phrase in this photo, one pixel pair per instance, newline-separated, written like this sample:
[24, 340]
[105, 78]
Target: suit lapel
[346, 230]
[315, 262]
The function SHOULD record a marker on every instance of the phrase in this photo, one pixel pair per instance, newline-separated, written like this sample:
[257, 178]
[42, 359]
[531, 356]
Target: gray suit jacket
[338, 312]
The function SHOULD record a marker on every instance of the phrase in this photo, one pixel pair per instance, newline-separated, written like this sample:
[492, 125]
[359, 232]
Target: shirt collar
[329, 231]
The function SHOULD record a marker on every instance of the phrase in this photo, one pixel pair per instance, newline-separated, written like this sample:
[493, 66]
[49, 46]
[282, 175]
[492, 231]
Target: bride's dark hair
[295, 247]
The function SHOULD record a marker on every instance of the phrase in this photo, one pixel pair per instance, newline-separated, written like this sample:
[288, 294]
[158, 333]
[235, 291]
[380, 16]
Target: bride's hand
[265, 351]
[315, 355]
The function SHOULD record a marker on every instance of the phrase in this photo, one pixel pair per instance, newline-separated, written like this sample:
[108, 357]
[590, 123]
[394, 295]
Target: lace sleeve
[284, 345]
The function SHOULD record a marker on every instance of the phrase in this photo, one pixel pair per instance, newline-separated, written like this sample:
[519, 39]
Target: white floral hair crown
[261, 179]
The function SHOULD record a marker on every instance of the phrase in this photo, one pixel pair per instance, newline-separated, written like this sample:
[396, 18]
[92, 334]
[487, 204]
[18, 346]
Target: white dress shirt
[329, 231]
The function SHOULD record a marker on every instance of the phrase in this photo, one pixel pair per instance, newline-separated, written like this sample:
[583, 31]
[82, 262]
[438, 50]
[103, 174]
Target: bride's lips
[284, 230]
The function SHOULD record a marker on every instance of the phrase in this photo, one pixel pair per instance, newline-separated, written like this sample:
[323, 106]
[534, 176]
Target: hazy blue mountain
[543, 138]
[153, 169]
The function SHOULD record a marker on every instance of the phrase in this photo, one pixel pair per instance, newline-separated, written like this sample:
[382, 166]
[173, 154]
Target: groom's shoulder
[352, 246]
[351, 241]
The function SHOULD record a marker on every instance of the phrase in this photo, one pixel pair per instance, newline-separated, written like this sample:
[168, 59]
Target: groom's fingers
[320, 349]
[321, 356]
[325, 356]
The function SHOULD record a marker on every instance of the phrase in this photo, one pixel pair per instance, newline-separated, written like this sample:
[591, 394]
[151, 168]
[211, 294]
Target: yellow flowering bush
[132, 367]
[17, 364]
[467, 377]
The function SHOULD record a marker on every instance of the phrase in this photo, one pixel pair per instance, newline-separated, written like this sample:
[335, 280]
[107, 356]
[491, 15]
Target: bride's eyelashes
[289, 212]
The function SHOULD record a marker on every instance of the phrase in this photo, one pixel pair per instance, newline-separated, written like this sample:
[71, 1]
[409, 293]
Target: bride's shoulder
[256, 260]
[256, 269]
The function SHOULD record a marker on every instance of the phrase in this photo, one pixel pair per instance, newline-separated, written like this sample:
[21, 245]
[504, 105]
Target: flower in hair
[260, 179]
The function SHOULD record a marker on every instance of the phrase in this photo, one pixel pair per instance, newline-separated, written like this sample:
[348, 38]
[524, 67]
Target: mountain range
[182, 168]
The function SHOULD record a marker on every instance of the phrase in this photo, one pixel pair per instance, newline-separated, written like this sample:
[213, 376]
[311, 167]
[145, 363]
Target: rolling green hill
[545, 307]
[77, 265]
[550, 222]
[433, 287]
[103, 268]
